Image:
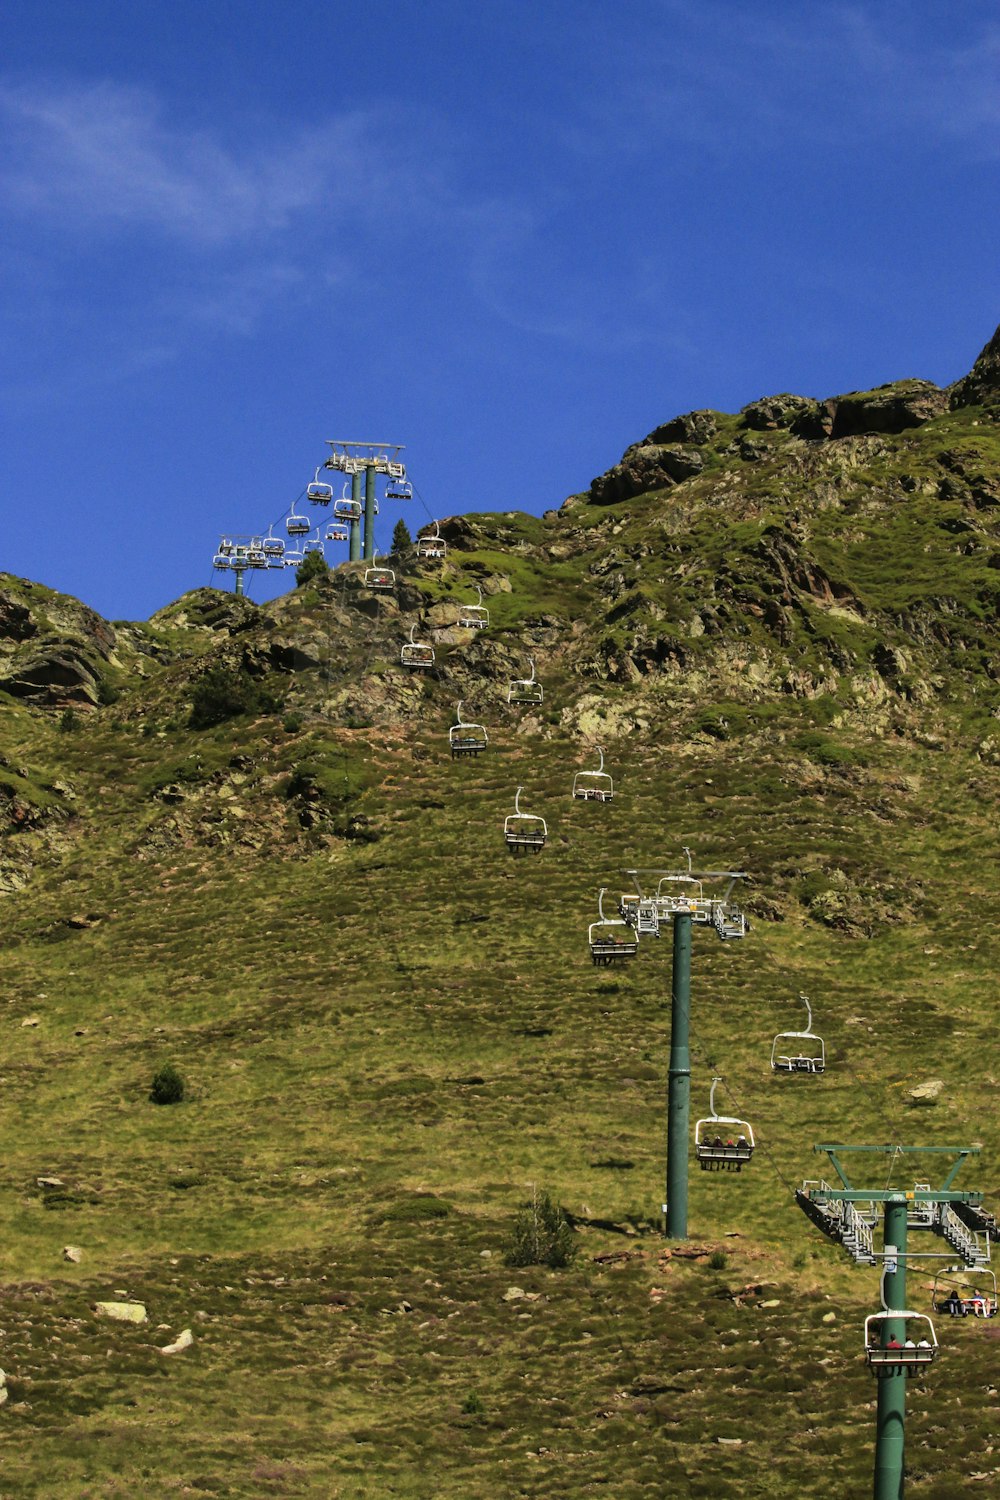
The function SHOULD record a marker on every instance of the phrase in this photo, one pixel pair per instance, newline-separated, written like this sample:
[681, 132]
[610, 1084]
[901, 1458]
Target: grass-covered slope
[390, 1030]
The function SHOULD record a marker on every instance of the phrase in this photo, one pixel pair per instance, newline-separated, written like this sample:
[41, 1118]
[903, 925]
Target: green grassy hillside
[391, 1032]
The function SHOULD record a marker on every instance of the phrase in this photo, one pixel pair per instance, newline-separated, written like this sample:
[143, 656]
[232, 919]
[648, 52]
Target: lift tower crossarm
[887, 1355]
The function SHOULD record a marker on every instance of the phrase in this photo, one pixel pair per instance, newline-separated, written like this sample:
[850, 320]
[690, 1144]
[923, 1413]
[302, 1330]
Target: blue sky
[513, 237]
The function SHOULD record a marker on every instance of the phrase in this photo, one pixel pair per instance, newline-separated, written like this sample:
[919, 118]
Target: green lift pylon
[848, 1215]
[678, 897]
[370, 459]
[355, 542]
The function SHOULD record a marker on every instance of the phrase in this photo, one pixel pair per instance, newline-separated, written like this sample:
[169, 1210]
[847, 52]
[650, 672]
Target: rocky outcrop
[773, 412]
[981, 387]
[692, 427]
[646, 466]
[890, 408]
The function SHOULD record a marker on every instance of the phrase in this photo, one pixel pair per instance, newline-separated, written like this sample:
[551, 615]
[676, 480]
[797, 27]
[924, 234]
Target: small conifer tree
[401, 538]
[313, 565]
[542, 1235]
[168, 1086]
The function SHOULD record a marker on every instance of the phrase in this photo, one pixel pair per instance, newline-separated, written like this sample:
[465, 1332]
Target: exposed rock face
[646, 466]
[52, 647]
[692, 427]
[981, 387]
[54, 672]
[772, 412]
[890, 408]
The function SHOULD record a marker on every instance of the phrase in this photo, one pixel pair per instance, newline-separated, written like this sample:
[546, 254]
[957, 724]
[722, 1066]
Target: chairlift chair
[606, 946]
[474, 616]
[594, 786]
[466, 739]
[256, 556]
[227, 546]
[525, 833]
[525, 689]
[379, 578]
[964, 1300]
[319, 492]
[799, 1051]
[716, 1154]
[293, 556]
[899, 1357]
[222, 560]
[314, 544]
[335, 532]
[273, 546]
[346, 509]
[432, 544]
[396, 470]
[416, 654]
[398, 489]
[297, 525]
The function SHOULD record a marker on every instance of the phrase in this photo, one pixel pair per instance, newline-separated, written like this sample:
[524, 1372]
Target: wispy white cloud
[102, 157]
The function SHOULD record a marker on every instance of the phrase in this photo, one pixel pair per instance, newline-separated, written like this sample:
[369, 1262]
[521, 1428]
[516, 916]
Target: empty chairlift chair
[466, 739]
[799, 1051]
[722, 1143]
[432, 544]
[418, 655]
[889, 1354]
[594, 786]
[525, 689]
[319, 492]
[297, 525]
[524, 833]
[474, 616]
[314, 544]
[398, 489]
[379, 576]
[608, 943]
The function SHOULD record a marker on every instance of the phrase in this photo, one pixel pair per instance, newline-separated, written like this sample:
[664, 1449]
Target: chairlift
[319, 492]
[606, 946]
[398, 488]
[887, 1354]
[466, 739]
[718, 1149]
[346, 509]
[525, 833]
[432, 544]
[416, 654]
[314, 544]
[474, 616]
[226, 546]
[525, 689]
[297, 525]
[293, 556]
[379, 578]
[273, 546]
[964, 1299]
[256, 556]
[335, 532]
[594, 786]
[799, 1051]
[396, 470]
[222, 560]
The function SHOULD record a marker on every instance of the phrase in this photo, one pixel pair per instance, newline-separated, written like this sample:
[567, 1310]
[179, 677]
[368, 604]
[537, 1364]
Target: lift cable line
[848, 1216]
